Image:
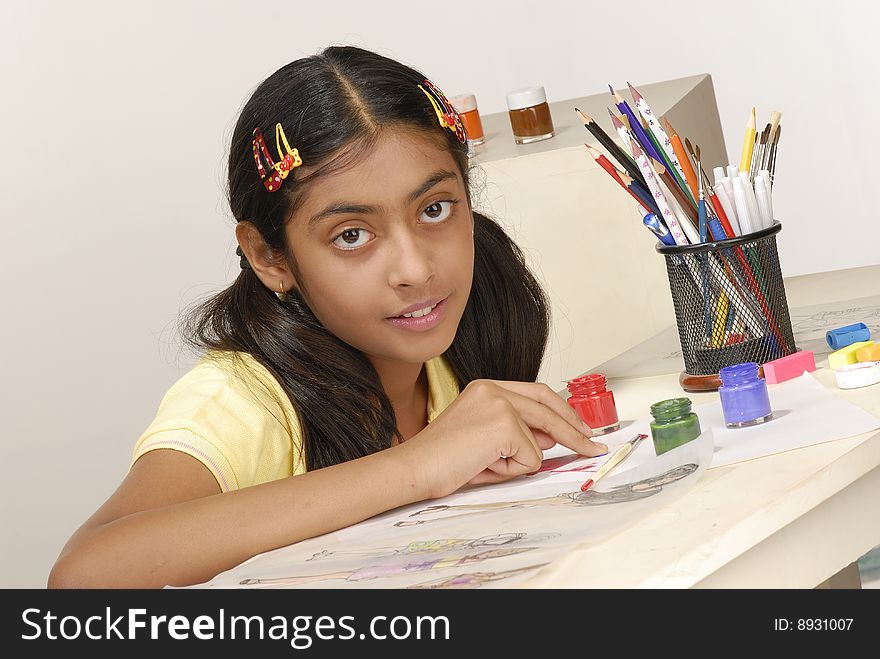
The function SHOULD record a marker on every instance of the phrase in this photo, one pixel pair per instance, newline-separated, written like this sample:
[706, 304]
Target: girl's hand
[495, 430]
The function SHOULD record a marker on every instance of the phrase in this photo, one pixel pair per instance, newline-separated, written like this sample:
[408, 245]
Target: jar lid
[526, 97]
[853, 376]
[464, 102]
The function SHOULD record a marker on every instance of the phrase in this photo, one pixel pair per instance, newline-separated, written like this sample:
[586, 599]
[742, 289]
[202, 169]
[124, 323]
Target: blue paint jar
[744, 397]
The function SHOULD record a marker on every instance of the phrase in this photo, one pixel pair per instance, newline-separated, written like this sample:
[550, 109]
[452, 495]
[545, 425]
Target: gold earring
[280, 294]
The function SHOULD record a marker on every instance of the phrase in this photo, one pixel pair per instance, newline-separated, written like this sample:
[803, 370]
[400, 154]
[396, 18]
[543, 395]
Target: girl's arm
[168, 523]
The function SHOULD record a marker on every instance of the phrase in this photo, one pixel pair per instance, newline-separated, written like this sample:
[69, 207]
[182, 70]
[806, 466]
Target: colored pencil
[605, 140]
[627, 138]
[634, 125]
[666, 213]
[661, 138]
[640, 190]
[748, 143]
[683, 160]
[683, 203]
[723, 318]
[643, 194]
[622, 127]
[616, 175]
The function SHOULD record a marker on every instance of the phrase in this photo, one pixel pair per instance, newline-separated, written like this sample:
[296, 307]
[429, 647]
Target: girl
[378, 348]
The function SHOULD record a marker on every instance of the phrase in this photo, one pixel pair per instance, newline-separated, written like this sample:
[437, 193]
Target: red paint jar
[594, 403]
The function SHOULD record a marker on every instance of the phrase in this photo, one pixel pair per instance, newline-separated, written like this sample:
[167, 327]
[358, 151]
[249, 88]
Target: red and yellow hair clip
[446, 113]
[288, 161]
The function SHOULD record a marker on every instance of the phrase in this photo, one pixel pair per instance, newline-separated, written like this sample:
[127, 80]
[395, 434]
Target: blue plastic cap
[844, 336]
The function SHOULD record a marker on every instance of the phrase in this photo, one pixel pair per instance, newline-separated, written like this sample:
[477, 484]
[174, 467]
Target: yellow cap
[846, 355]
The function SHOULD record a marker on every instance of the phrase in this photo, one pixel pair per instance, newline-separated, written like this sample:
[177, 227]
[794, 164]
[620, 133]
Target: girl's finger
[543, 394]
[543, 418]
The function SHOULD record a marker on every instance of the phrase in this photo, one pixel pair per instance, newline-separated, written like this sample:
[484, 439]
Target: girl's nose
[411, 263]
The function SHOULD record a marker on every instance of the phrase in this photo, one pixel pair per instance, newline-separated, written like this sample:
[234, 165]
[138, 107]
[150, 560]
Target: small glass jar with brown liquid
[529, 115]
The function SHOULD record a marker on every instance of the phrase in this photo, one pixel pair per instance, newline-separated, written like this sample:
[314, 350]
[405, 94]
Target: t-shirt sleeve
[230, 419]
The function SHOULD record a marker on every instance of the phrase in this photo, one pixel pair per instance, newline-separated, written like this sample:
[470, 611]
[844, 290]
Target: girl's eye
[438, 211]
[351, 239]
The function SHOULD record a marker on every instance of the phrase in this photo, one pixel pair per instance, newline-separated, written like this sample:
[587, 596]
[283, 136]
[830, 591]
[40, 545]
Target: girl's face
[389, 235]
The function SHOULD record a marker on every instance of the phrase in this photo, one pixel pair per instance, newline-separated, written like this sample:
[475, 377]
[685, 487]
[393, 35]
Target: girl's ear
[271, 270]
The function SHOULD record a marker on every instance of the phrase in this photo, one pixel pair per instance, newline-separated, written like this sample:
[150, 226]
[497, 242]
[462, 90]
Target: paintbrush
[616, 458]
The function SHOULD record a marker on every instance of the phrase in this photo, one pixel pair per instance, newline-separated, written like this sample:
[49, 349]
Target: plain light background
[116, 119]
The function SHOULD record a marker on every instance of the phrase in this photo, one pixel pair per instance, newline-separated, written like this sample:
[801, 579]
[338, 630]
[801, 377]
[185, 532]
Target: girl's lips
[422, 324]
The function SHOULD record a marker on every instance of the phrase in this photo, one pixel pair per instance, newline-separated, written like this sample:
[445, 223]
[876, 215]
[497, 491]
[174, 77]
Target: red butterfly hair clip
[446, 113]
[279, 171]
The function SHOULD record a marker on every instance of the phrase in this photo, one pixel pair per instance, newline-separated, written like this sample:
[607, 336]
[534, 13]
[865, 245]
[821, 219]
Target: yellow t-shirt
[232, 415]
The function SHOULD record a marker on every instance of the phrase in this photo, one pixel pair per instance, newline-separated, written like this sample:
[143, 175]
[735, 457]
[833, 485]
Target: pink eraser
[786, 368]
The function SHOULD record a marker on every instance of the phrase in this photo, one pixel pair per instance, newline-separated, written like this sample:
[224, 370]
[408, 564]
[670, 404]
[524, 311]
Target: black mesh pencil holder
[730, 304]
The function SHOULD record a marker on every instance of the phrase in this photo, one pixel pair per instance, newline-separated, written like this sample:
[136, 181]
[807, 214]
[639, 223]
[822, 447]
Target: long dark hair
[339, 98]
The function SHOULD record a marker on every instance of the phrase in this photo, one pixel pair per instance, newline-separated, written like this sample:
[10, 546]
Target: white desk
[790, 520]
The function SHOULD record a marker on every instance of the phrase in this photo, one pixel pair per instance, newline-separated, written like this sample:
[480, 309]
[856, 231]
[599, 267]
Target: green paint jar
[674, 424]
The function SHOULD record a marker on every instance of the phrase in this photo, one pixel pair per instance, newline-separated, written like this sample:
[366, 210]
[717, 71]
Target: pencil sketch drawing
[620, 494]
